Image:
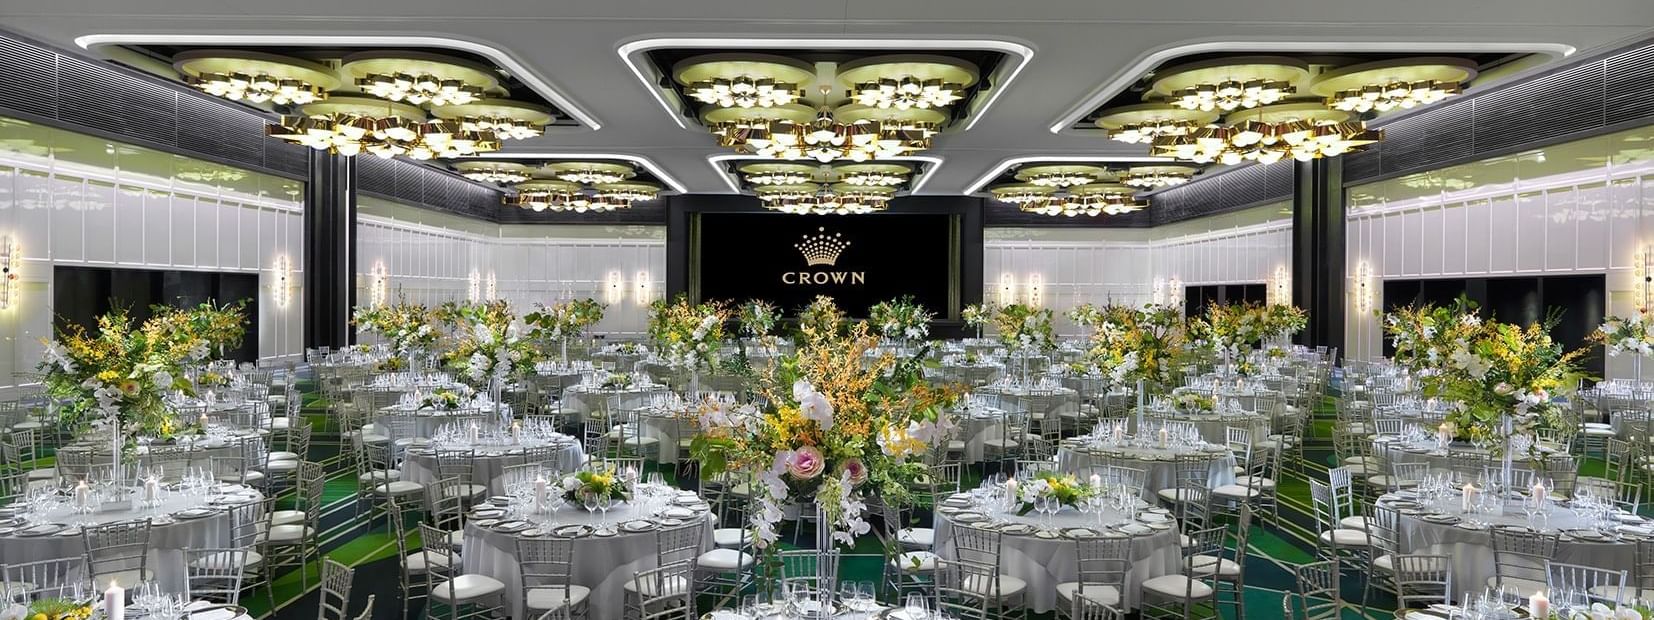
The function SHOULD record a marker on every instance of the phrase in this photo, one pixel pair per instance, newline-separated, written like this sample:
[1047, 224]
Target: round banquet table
[1459, 457]
[169, 535]
[1040, 403]
[662, 423]
[1159, 464]
[428, 421]
[974, 374]
[1045, 562]
[490, 461]
[977, 424]
[603, 564]
[1213, 427]
[582, 398]
[219, 442]
[1471, 547]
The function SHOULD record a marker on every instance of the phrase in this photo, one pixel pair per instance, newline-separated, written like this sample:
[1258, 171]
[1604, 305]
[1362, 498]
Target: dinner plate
[1046, 534]
[73, 530]
[969, 517]
[1017, 529]
[638, 525]
[1079, 533]
[670, 522]
[948, 510]
[1159, 526]
[194, 513]
[532, 532]
[1151, 517]
[43, 529]
[512, 526]
[575, 530]
[487, 522]
[1474, 527]
[1136, 529]
[1639, 530]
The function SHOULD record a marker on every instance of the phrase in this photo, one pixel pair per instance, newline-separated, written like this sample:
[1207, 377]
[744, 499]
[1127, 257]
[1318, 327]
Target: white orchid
[813, 405]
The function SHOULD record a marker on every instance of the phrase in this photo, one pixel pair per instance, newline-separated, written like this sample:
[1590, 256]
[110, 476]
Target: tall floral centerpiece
[1627, 335]
[562, 321]
[822, 316]
[688, 335]
[977, 315]
[219, 327]
[834, 430]
[1424, 336]
[1231, 330]
[1139, 346]
[1281, 321]
[488, 351]
[1087, 316]
[1025, 331]
[121, 374]
[901, 320]
[758, 319]
[407, 327]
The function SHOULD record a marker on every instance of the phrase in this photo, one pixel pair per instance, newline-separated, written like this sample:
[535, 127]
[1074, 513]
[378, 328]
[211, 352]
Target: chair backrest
[659, 599]
[1318, 592]
[1130, 477]
[1422, 580]
[367, 609]
[676, 544]
[809, 571]
[962, 589]
[46, 579]
[335, 595]
[1522, 555]
[546, 562]
[973, 544]
[1600, 585]
[447, 497]
[1104, 561]
[214, 574]
[1087, 609]
[116, 548]
[455, 463]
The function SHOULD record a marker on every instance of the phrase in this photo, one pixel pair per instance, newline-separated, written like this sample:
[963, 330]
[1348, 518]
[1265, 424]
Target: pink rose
[807, 463]
[856, 470]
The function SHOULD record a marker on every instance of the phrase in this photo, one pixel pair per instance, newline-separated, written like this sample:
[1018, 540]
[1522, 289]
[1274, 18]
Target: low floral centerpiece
[48, 609]
[1194, 402]
[617, 381]
[901, 319]
[1065, 488]
[597, 483]
[837, 426]
[442, 399]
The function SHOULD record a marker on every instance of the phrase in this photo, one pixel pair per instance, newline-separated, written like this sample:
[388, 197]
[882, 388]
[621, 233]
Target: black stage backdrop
[857, 260]
[81, 294]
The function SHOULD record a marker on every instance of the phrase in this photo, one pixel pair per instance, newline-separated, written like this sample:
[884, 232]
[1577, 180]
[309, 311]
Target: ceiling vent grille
[1232, 190]
[417, 185]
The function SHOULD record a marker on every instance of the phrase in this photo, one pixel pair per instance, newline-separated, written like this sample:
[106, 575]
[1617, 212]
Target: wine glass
[916, 608]
[604, 502]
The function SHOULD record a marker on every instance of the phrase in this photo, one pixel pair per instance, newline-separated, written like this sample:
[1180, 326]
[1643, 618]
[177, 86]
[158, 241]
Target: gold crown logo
[822, 249]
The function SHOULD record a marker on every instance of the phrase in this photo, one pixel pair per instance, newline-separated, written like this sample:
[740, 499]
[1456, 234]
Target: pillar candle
[152, 490]
[114, 602]
[1096, 481]
[203, 420]
[83, 494]
[1465, 500]
[1537, 494]
[1539, 606]
[516, 431]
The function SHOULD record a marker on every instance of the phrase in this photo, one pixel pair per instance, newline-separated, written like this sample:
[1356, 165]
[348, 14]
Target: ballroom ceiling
[1054, 64]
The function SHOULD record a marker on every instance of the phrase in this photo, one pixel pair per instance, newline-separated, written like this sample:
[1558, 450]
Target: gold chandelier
[1152, 177]
[419, 78]
[590, 172]
[510, 120]
[743, 81]
[1142, 123]
[1231, 83]
[502, 172]
[559, 196]
[854, 133]
[1063, 175]
[907, 81]
[1386, 85]
[776, 173]
[814, 199]
[873, 175]
[1301, 131]
[255, 77]
[1089, 200]
[350, 125]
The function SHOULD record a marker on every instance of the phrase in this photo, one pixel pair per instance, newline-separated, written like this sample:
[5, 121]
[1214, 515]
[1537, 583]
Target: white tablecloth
[167, 539]
[580, 399]
[1158, 463]
[490, 462]
[603, 564]
[1213, 427]
[1044, 563]
[1472, 550]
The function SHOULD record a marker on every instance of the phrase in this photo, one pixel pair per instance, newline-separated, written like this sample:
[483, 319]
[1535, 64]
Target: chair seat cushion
[418, 562]
[546, 598]
[1385, 563]
[45, 473]
[286, 517]
[917, 537]
[1259, 483]
[1598, 425]
[914, 561]
[379, 475]
[281, 423]
[671, 585]
[399, 488]
[247, 477]
[465, 490]
[288, 534]
[1002, 443]
[1177, 495]
[1598, 432]
[1177, 587]
[1008, 586]
[1094, 592]
[956, 445]
[724, 559]
[222, 561]
[1202, 565]
[1234, 491]
[282, 467]
[283, 455]
[466, 588]
[1354, 522]
[1345, 538]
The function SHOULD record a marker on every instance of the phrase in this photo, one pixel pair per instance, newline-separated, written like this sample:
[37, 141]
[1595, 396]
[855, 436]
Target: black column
[1318, 250]
[329, 250]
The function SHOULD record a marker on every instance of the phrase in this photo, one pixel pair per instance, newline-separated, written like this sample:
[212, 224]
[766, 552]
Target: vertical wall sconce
[1174, 292]
[1280, 287]
[11, 258]
[493, 287]
[1007, 289]
[1643, 265]
[280, 273]
[473, 291]
[379, 280]
[643, 296]
[1363, 288]
[615, 292]
[1036, 290]
[1157, 292]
